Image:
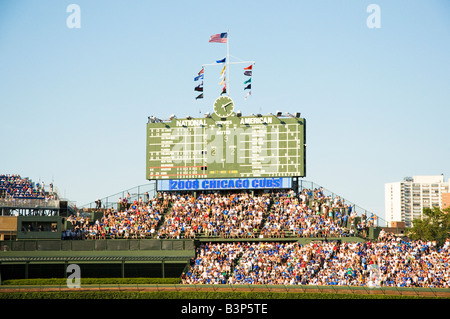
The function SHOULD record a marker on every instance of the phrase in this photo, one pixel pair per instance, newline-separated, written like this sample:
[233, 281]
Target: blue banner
[223, 184]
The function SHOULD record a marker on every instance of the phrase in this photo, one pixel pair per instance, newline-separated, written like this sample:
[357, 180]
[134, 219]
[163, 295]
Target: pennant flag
[248, 73]
[219, 38]
[248, 81]
[249, 93]
[221, 61]
[248, 87]
[249, 67]
[224, 90]
[201, 71]
[223, 81]
[222, 73]
[199, 97]
[198, 77]
[198, 88]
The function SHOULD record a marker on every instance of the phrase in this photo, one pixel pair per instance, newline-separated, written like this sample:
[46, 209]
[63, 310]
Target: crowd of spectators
[214, 263]
[267, 215]
[390, 261]
[135, 220]
[13, 187]
[229, 215]
[310, 214]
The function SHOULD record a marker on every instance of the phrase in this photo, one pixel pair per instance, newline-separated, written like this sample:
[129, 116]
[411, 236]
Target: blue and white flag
[198, 77]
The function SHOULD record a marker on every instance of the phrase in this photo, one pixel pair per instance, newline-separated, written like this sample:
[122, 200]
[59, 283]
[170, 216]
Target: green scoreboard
[226, 144]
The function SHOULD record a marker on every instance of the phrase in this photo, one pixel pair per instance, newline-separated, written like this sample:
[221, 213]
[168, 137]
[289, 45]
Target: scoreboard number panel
[226, 147]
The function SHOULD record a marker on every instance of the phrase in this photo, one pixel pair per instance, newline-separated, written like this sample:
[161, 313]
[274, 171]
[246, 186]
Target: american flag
[220, 38]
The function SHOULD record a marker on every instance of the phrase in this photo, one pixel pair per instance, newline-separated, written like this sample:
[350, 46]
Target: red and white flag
[219, 38]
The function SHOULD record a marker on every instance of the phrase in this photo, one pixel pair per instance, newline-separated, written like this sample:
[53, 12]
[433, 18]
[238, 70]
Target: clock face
[223, 106]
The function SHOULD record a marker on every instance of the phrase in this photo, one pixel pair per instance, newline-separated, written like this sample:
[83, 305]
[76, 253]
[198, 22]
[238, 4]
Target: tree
[433, 226]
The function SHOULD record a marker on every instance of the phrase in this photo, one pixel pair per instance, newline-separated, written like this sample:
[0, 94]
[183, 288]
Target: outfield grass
[169, 288]
[217, 295]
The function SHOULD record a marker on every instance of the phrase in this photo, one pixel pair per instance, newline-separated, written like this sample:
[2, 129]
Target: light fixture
[289, 114]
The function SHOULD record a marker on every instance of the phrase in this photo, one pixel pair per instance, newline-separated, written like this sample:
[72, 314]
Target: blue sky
[74, 102]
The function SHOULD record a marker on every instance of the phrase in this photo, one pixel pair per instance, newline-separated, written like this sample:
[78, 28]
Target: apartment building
[405, 200]
[445, 200]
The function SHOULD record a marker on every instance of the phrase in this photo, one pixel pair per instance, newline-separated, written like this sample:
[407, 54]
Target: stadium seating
[281, 214]
[15, 187]
[236, 217]
[137, 220]
[229, 215]
[389, 262]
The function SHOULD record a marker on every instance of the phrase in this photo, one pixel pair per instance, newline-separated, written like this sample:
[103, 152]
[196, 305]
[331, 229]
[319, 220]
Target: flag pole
[228, 62]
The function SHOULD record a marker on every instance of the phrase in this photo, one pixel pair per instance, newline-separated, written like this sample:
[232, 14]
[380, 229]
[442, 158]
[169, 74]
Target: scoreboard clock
[226, 145]
[223, 106]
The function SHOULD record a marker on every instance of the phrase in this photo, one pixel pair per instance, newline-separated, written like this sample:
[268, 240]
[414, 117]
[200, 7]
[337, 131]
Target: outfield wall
[97, 258]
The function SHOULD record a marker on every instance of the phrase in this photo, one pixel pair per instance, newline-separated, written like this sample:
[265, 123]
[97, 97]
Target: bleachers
[20, 196]
[251, 238]
[389, 262]
[227, 215]
[136, 220]
[14, 186]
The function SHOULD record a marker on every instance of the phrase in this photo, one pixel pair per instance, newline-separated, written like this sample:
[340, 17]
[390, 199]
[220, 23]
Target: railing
[96, 245]
[135, 193]
[29, 203]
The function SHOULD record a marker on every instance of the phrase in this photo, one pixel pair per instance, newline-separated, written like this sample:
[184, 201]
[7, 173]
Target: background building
[445, 200]
[405, 201]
